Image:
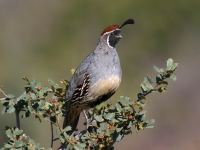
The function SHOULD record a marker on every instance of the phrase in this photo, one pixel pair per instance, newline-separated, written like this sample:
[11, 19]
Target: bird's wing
[80, 82]
[81, 89]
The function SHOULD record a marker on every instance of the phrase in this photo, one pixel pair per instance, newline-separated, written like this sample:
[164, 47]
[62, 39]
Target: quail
[97, 78]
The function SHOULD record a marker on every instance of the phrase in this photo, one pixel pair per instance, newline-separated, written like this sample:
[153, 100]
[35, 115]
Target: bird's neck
[104, 47]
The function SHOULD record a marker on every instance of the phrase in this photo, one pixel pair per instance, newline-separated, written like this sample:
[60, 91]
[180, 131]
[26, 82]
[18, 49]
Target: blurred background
[45, 39]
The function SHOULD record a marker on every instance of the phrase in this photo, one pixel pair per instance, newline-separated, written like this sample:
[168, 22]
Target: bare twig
[1, 91]
[16, 111]
[17, 119]
[87, 120]
[55, 139]
[59, 128]
[52, 134]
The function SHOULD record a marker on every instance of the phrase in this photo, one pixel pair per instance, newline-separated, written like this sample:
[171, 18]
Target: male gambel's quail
[96, 78]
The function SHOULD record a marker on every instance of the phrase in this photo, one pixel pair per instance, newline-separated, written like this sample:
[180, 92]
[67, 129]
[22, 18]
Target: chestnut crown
[113, 31]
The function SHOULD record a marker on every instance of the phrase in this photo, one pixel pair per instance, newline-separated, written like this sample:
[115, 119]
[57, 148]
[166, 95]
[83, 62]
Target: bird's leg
[87, 119]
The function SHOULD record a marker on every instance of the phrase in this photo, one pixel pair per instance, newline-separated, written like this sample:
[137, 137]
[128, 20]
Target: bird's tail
[71, 118]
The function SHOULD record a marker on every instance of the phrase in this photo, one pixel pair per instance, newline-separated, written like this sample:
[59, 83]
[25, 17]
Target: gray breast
[104, 70]
[105, 73]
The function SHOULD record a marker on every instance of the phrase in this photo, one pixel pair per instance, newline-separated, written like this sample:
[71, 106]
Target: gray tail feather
[71, 119]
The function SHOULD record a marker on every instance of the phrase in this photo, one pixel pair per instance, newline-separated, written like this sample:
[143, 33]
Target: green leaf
[119, 129]
[125, 101]
[53, 84]
[147, 83]
[4, 110]
[109, 116]
[143, 87]
[10, 96]
[62, 139]
[173, 77]
[150, 124]
[9, 133]
[169, 63]
[174, 66]
[171, 66]
[80, 146]
[118, 107]
[159, 70]
[119, 137]
[11, 109]
[7, 146]
[98, 118]
[68, 128]
[19, 144]
[18, 132]
[33, 96]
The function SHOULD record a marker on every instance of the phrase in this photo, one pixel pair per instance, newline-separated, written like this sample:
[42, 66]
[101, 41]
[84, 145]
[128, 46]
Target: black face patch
[114, 38]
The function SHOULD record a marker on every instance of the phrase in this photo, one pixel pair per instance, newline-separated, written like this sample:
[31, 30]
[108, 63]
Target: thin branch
[87, 121]
[16, 111]
[62, 144]
[1, 91]
[17, 119]
[52, 134]
[55, 139]
[58, 126]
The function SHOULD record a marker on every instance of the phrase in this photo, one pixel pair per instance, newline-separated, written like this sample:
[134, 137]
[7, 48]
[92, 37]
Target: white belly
[105, 86]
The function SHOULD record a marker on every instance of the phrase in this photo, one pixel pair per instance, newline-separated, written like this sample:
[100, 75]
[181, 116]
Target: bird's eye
[116, 32]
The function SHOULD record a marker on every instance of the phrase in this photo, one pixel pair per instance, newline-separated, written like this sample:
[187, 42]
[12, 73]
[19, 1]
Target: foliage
[19, 140]
[106, 124]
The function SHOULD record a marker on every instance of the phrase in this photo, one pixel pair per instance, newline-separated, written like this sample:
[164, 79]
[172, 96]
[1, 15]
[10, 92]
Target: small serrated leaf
[72, 70]
[19, 144]
[118, 107]
[10, 96]
[18, 132]
[156, 69]
[159, 70]
[8, 146]
[9, 133]
[68, 128]
[174, 66]
[98, 118]
[173, 77]
[147, 83]
[124, 100]
[11, 109]
[33, 96]
[80, 146]
[62, 139]
[109, 116]
[119, 129]
[119, 137]
[169, 63]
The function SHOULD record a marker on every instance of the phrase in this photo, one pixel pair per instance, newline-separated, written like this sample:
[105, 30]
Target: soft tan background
[45, 39]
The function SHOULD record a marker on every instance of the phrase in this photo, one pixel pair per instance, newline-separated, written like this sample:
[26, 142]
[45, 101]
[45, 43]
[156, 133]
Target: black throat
[113, 41]
[114, 38]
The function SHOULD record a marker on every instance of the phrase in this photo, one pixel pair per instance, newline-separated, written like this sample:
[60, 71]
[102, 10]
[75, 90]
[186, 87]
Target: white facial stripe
[107, 41]
[110, 31]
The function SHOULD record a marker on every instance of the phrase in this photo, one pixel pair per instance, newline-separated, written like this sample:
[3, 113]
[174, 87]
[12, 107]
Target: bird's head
[112, 34]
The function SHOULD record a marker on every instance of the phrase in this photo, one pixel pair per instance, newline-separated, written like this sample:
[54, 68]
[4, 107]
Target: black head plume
[128, 21]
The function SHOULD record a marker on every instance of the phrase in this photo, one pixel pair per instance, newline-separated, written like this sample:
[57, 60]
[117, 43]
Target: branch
[106, 124]
[52, 134]
[17, 119]
[8, 97]
[1, 91]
